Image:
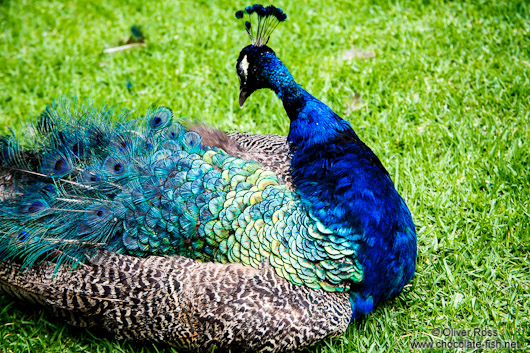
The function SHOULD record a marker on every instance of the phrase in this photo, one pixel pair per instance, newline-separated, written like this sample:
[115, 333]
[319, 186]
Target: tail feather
[65, 183]
[83, 183]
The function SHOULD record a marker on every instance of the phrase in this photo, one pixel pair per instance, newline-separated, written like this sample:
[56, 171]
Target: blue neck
[344, 185]
[312, 122]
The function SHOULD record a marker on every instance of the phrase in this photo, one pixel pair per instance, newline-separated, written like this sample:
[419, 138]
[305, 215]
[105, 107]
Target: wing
[182, 302]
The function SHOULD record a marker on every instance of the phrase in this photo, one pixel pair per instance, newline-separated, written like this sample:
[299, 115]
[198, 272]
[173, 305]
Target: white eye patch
[244, 66]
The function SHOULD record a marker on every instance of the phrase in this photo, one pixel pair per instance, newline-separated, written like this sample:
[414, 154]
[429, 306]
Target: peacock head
[257, 61]
[253, 70]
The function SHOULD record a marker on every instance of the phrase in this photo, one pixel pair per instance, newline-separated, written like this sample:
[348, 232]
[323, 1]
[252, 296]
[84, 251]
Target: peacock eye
[22, 236]
[114, 238]
[118, 168]
[55, 164]
[60, 166]
[161, 118]
[90, 175]
[115, 166]
[35, 207]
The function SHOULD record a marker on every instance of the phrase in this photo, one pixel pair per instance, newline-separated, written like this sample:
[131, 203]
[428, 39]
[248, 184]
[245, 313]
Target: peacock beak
[243, 95]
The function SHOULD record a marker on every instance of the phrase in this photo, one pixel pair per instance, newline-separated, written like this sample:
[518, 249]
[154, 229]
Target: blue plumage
[340, 181]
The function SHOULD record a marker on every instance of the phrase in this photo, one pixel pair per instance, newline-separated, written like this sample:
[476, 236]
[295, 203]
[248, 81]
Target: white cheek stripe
[244, 66]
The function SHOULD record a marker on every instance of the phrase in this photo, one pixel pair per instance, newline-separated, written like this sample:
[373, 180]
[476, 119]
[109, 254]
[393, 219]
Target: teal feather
[159, 119]
[56, 164]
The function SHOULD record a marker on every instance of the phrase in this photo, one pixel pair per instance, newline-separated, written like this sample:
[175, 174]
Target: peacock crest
[269, 17]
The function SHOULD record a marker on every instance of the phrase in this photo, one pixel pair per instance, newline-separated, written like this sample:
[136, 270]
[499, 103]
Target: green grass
[439, 90]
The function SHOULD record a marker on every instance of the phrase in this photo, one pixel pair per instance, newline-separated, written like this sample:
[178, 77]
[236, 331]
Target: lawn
[439, 90]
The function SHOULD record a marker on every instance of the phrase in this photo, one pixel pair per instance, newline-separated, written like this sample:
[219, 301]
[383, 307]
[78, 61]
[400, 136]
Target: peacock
[360, 234]
[317, 208]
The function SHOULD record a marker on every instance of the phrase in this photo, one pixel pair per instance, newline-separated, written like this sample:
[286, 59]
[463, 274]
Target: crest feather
[268, 19]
